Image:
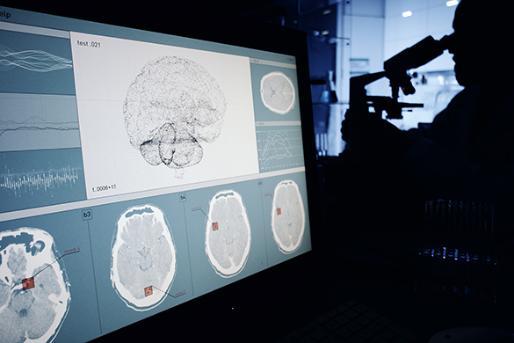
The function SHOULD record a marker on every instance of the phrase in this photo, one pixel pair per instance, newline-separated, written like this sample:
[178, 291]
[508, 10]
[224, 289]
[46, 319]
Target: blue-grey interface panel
[138, 171]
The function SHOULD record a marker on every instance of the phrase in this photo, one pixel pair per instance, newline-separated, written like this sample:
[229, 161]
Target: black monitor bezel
[242, 300]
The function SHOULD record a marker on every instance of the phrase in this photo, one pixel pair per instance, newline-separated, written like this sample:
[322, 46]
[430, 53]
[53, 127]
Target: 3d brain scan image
[227, 234]
[143, 258]
[34, 291]
[277, 92]
[173, 106]
[288, 216]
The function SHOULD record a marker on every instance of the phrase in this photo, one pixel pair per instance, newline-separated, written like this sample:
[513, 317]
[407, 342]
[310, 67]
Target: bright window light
[451, 3]
[406, 14]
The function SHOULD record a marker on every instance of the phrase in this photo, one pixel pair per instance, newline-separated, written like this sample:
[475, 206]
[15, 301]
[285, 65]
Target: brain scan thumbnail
[143, 258]
[227, 234]
[277, 92]
[288, 216]
[172, 107]
[34, 291]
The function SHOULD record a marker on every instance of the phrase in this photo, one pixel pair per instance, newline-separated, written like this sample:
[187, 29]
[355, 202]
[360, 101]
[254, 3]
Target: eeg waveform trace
[38, 180]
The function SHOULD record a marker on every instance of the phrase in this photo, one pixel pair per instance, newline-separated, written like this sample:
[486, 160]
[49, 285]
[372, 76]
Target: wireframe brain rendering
[171, 108]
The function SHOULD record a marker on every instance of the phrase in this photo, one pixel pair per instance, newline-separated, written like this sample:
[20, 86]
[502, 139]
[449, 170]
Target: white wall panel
[430, 17]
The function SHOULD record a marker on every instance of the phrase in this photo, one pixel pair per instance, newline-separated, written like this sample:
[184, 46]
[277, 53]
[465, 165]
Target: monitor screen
[138, 171]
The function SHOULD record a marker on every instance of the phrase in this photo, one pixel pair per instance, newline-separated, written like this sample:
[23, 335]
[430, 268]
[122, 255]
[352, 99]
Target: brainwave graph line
[276, 147]
[33, 60]
[280, 148]
[38, 180]
[37, 124]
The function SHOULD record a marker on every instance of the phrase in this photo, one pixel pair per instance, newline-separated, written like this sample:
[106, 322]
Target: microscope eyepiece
[447, 42]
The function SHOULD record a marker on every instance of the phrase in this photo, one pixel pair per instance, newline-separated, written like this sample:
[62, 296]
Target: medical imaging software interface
[138, 171]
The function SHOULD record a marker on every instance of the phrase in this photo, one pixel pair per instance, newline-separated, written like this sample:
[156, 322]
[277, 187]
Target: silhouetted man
[468, 151]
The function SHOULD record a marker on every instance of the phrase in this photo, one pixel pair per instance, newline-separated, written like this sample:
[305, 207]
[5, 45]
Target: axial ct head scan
[143, 258]
[34, 292]
[287, 216]
[277, 92]
[227, 234]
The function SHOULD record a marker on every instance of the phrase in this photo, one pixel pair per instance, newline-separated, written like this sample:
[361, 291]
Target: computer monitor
[141, 170]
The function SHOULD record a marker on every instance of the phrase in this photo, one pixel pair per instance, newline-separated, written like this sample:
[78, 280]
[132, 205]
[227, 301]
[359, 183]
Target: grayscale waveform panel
[279, 147]
[30, 179]
[36, 124]
[39, 61]
[35, 64]
[39, 180]
[38, 121]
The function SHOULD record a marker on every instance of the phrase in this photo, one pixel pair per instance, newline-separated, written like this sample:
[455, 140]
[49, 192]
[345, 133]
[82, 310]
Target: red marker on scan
[28, 283]
[215, 226]
[148, 291]
[279, 211]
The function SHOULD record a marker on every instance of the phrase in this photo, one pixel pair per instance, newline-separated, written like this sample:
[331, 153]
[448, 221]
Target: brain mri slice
[277, 92]
[173, 107]
[143, 258]
[288, 216]
[34, 291]
[227, 233]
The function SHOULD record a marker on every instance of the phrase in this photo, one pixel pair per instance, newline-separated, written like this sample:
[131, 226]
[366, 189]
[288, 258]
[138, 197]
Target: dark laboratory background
[425, 264]
[419, 265]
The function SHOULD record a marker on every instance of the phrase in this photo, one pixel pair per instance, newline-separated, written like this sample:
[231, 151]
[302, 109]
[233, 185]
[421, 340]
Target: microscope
[396, 70]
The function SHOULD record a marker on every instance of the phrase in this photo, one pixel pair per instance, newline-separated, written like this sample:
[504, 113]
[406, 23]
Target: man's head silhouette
[480, 51]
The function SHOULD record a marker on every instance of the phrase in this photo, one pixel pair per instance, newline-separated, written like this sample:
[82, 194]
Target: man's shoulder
[461, 106]
[467, 97]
